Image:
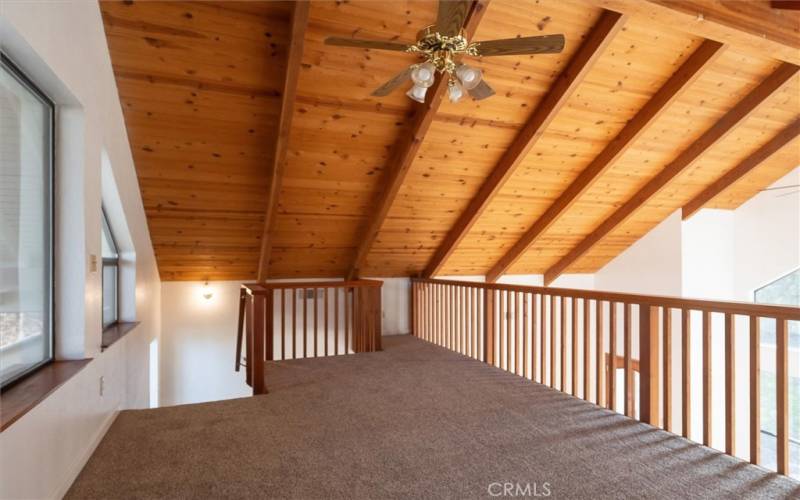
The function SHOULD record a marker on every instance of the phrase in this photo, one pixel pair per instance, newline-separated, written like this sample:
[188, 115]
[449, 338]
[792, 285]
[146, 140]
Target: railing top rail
[741, 308]
[259, 288]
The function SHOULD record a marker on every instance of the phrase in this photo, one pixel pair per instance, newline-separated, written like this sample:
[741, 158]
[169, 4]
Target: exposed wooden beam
[785, 4]
[405, 151]
[719, 130]
[749, 26]
[293, 59]
[661, 100]
[561, 90]
[783, 138]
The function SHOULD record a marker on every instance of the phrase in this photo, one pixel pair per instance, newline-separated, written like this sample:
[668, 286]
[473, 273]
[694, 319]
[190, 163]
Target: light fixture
[468, 76]
[454, 91]
[207, 293]
[423, 74]
[417, 93]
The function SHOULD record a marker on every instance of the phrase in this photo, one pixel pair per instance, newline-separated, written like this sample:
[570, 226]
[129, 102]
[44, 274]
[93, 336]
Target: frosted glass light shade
[423, 74]
[417, 93]
[454, 92]
[468, 76]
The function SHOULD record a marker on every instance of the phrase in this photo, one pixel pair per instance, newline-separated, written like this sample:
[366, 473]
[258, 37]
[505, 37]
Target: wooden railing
[279, 321]
[564, 338]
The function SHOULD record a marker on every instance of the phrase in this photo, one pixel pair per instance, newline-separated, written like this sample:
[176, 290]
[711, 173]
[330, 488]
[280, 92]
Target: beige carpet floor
[413, 421]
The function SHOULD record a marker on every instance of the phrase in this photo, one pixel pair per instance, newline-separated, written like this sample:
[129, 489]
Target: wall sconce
[207, 293]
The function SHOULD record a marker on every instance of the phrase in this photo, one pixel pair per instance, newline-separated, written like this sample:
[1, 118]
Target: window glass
[783, 291]
[110, 275]
[26, 137]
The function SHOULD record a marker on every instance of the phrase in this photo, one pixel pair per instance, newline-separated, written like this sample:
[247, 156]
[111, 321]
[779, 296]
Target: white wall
[652, 265]
[62, 47]
[199, 343]
[767, 237]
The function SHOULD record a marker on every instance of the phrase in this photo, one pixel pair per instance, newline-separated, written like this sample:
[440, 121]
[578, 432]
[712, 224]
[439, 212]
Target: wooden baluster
[730, 384]
[686, 373]
[649, 359]
[562, 339]
[707, 378]
[612, 357]
[534, 353]
[586, 348]
[347, 320]
[453, 304]
[257, 358]
[542, 338]
[305, 324]
[461, 324]
[667, 333]
[336, 321]
[627, 348]
[512, 332]
[782, 396]
[450, 316]
[325, 334]
[574, 346]
[755, 390]
[442, 316]
[316, 326]
[294, 323]
[414, 298]
[472, 321]
[513, 312]
[426, 311]
[488, 326]
[553, 341]
[477, 321]
[525, 334]
[283, 322]
[270, 325]
[462, 304]
[600, 396]
[503, 315]
[434, 317]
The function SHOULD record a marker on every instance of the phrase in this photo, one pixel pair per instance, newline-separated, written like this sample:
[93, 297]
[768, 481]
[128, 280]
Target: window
[26, 178]
[110, 275]
[784, 291]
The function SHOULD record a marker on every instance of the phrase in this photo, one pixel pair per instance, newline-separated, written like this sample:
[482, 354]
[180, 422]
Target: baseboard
[78, 465]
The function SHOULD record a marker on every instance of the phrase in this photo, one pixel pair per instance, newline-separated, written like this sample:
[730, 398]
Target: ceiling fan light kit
[443, 45]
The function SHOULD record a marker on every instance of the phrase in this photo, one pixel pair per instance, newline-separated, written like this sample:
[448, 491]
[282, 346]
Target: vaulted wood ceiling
[644, 120]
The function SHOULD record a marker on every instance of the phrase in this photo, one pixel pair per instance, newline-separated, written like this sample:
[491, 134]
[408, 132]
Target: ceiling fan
[442, 46]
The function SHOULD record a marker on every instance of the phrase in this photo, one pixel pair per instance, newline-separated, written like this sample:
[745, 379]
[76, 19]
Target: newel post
[256, 358]
[649, 368]
[488, 326]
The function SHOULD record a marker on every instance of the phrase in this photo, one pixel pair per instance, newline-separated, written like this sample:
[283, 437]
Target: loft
[400, 249]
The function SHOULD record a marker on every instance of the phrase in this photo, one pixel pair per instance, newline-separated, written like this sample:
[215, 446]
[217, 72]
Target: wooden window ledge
[20, 397]
[116, 331]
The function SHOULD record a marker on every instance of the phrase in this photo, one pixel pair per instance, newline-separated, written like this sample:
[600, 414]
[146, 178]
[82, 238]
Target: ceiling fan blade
[392, 84]
[451, 16]
[548, 44]
[366, 44]
[481, 91]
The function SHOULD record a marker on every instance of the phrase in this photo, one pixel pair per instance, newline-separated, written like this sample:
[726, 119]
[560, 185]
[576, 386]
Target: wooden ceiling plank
[681, 80]
[293, 60]
[747, 25]
[783, 138]
[718, 131]
[406, 150]
[562, 88]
